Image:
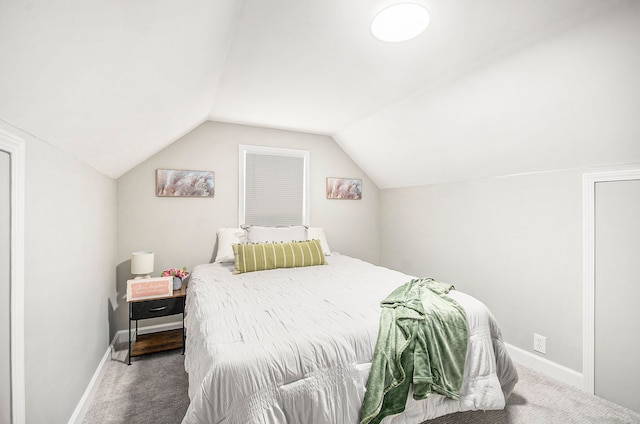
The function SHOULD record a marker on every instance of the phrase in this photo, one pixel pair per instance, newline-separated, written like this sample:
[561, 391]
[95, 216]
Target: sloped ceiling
[112, 82]
[115, 82]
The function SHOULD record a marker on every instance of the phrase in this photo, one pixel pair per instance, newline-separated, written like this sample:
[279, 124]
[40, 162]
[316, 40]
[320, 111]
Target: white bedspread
[295, 345]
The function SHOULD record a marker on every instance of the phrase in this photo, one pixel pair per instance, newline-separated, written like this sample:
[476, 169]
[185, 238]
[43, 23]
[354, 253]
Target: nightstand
[154, 308]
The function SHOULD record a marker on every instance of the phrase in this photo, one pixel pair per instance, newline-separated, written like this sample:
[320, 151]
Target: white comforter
[295, 345]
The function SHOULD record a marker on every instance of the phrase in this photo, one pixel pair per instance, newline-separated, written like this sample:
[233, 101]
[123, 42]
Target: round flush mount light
[400, 22]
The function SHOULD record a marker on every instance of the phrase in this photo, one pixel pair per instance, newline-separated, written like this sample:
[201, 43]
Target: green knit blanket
[422, 340]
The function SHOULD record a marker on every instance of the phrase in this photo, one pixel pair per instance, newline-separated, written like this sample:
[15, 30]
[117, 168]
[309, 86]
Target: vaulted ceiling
[113, 82]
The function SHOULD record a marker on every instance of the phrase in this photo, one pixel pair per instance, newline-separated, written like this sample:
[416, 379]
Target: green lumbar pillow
[264, 256]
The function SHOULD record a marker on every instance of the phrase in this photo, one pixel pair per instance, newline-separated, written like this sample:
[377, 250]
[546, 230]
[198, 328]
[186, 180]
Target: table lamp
[141, 264]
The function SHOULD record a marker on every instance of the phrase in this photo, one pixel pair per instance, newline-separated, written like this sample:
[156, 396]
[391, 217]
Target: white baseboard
[121, 337]
[83, 405]
[547, 367]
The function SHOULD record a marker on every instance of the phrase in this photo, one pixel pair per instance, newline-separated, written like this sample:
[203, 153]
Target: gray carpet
[540, 399]
[154, 390]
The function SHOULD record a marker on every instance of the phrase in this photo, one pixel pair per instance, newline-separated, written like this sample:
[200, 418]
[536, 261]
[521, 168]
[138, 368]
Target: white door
[5, 285]
[617, 292]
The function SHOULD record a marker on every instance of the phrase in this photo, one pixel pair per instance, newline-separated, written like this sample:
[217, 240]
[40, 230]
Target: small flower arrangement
[175, 272]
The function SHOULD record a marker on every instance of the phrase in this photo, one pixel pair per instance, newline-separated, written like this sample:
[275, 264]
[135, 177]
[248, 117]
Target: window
[274, 186]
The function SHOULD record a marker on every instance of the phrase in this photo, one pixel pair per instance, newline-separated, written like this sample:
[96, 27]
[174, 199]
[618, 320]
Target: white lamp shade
[141, 263]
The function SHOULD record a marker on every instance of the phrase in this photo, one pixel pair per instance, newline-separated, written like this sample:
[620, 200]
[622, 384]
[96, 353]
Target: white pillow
[261, 234]
[227, 237]
[318, 234]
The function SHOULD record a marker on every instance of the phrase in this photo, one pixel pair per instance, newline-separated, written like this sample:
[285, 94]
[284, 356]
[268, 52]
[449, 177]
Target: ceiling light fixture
[400, 22]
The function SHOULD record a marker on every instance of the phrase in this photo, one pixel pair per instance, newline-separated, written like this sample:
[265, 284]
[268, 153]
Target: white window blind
[273, 186]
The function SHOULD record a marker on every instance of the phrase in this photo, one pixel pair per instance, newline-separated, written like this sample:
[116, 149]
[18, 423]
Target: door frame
[16, 149]
[589, 182]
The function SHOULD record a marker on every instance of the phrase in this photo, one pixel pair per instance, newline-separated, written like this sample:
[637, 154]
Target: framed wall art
[184, 183]
[344, 188]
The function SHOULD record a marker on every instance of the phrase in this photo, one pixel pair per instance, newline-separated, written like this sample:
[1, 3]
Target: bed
[295, 345]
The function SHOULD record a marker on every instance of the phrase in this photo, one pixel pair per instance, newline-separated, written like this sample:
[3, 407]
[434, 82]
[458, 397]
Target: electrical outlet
[540, 343]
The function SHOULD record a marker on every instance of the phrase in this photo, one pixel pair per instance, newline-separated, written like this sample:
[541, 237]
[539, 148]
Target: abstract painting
[344, 188]
[181, 183]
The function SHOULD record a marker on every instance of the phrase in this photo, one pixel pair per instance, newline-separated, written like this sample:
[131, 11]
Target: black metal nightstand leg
[183, 336]
[129, 355]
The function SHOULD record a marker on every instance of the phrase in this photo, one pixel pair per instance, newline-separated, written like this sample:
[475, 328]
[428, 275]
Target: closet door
[5, 285]
[617, 292]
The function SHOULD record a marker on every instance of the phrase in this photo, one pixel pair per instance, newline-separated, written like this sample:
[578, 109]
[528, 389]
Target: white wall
[70, 242]
[182, 231]
[514, 243]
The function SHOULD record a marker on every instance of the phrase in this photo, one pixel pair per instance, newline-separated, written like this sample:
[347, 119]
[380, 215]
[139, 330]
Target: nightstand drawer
[157, 308]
